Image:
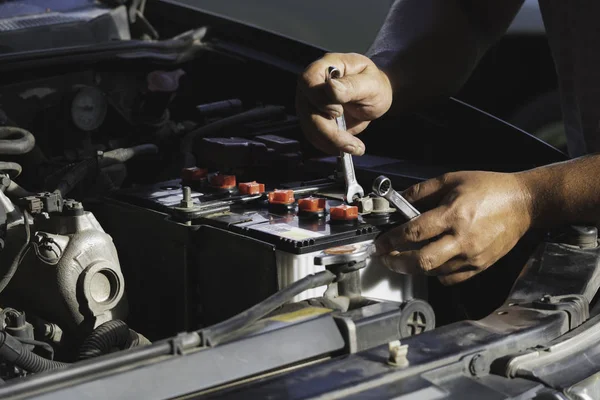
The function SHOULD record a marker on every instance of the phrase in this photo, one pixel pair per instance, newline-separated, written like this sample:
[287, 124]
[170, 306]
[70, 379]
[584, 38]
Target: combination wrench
[353, 189]
[382, 186]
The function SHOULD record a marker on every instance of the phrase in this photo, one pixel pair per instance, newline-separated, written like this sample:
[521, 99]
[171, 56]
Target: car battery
[228, 245]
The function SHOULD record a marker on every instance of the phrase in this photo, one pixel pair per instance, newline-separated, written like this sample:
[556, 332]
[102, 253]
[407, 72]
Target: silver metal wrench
[382, 186]
[353, 189]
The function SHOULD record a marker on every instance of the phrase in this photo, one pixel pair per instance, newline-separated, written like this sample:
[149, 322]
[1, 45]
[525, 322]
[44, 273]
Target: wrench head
[353, 192]
[382, 186]
[333, 73]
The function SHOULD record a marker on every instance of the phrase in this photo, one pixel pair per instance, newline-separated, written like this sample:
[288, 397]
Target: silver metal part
[344, 254]
[377, 281]
[587, 389]
[353, 189]
[382, 186]
[70, 275]
[187, 201]
[525, 364]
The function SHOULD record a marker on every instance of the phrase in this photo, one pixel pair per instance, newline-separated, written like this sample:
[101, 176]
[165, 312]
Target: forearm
[564, 193]
[428, 48]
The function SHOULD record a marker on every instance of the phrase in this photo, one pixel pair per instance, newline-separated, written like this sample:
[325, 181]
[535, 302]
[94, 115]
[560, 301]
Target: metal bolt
[187, 201]
[365, 205]
[478, 365]
[546, 298]
[398, 353]
[417, 323]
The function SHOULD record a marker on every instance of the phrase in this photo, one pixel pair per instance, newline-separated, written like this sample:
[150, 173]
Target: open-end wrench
[382, 186]
[353, 189]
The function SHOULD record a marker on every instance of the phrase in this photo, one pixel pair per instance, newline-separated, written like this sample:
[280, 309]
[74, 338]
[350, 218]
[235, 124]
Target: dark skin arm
[426, 49]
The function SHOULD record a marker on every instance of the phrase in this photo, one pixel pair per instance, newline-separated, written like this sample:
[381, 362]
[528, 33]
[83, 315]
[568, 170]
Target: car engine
[164, 186]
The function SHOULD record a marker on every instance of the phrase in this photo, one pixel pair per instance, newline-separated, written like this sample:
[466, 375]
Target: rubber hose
[74, 176]
[6, 278]
[12, 351]
[125, 154]
[33, 363]
[12, 168]
[15, 141]
[104, 338]
[217, 333]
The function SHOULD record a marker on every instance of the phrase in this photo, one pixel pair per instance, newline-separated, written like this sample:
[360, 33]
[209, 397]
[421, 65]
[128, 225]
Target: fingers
[427, 260]
[323, 132]
[314, 80]
[458, 277]
[432, 260]
[361, 94]
[424, 227]
[429, 192]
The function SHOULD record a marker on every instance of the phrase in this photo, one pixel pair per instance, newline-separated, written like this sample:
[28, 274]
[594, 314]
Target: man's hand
[477, 217]
[363, 93]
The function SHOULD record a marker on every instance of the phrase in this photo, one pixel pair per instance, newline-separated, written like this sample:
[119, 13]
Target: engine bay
[138, 201]
[163, 189]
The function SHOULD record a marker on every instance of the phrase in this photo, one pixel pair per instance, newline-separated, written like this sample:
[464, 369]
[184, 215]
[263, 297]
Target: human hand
[362, 93]
[477, 217]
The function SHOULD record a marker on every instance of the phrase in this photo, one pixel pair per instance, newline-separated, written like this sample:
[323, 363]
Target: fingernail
[360, 151]
[349, 148]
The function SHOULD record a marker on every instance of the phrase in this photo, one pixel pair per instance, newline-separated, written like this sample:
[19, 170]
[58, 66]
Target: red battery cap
[251, 188]
[281, 197]
[193, 174]
[344, 213]
[223, 181]
[311, 204]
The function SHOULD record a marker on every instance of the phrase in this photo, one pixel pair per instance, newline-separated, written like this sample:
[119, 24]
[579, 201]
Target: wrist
[540, 197]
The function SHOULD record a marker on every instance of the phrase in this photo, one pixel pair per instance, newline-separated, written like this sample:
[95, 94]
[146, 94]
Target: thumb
[355, 88]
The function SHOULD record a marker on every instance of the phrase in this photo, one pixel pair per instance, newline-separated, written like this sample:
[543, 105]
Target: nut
[365, 205]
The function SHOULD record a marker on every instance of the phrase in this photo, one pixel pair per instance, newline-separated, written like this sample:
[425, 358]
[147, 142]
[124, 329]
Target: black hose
[215, 334]
[81, 169]
[75, 175]
[12, 351]
[15, 141]
[212, 129]
[4, 281]
[13, 169]
[38, 343]
[104, 338]
[125, 154]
